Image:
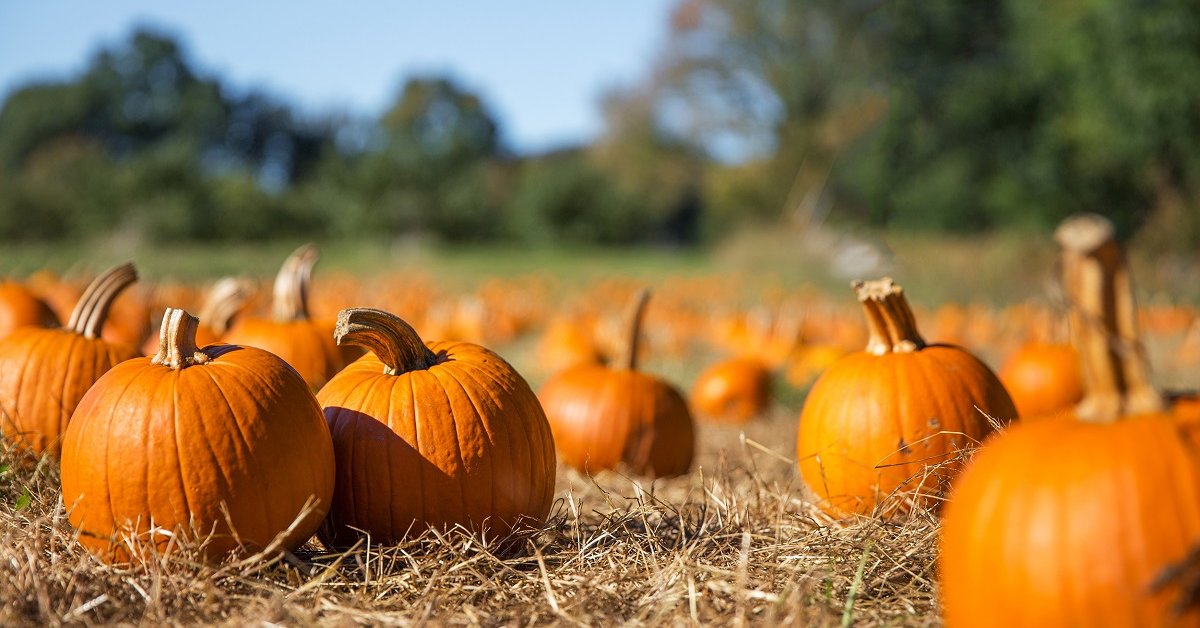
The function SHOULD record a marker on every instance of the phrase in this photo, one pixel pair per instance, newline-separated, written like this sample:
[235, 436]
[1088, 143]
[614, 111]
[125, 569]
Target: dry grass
[736, 541]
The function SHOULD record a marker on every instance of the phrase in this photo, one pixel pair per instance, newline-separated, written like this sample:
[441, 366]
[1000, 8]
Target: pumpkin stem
[892, 326]
[291, 284]
[225, 299]
[1099, 292]
[87, 319]
[392, 340]
[177, 341]
[636, 314]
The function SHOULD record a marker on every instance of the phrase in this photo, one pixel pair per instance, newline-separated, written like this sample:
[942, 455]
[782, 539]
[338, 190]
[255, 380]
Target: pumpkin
[431, 435]
[44, 372]
[290, 334]
[225, 446]
[892, 418]
[734, 390]
[20, 307]
[224, 300]
[602, 417]
[1081, 520]
[1042, 378]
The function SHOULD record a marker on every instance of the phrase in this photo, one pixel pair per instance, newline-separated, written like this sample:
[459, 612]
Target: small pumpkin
[431, 435]
[602, 417]
[224, 445]
[44, 372]
[20, 307]
[892, 418]
[1043, 378]
[1081, 520]
[291, 334]
[733, 390]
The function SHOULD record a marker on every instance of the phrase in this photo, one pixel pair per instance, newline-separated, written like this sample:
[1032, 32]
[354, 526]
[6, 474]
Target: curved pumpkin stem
[392, 340]
[87, 319]
[892, 326]
[1099, 291]
[291, 284]
[225, 299]
[636, 315]
[177, 341]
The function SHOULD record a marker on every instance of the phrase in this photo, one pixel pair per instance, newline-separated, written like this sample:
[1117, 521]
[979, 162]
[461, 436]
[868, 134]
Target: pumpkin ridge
[64, 417]
[247, 450]
[111, 412]
[342, 406]
[417, 446]
[389, 385]
[476, 407]
[462, 488]
[483, 428]
[25, 369]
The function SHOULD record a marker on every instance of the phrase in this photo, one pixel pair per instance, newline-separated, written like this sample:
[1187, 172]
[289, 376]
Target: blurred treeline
[954, 115]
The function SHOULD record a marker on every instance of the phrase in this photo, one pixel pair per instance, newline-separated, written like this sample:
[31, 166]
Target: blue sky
[540, 65]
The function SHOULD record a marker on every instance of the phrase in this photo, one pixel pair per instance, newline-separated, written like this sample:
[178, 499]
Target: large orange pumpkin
[305, 344]
[734, 390]
[1043, 379]
[1081, 520]
[602, 416]
[224, 444]
[20, 307]
[45, 372]
[432, 435]
[892, 418]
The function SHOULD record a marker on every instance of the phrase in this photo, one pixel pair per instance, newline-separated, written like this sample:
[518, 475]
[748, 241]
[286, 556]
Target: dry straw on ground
[734, 542]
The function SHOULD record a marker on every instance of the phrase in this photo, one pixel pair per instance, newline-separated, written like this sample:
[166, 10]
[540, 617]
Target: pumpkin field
[728, 436]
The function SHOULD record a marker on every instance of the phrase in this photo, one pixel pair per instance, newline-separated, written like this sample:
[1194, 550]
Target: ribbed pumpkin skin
[1043, 379]
[601, 417]
[872, 423]
[305, 345]
[1078, 542]
[462, 442]
[734, 390]
[43, 375]
[19, 307]
[148, 443]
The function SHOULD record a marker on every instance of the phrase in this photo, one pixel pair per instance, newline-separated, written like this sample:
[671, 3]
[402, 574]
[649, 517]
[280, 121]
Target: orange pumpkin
[602, 417]
[892, 418]
[1081, 520]
[734, 390]
[1043, 379]
[303, 343]
[19, 307]
[432, 435]
[45, 372]
[224, 444]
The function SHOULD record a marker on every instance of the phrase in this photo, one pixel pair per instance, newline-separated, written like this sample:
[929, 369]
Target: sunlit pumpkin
[305, 344]
[20, 307]
[892, 418]
[44, 372]
[432, 434]
[1043, 378]
[733, 390]
[1081, 520]
[605, 416]
[224, 445]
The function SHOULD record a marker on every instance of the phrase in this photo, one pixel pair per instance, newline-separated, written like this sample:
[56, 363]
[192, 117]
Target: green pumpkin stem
[225, 299]
[1103, 315]
[890, 320]
[290, 301]
[392, 340]
[87, 319]
[177, 341]
[636, 316]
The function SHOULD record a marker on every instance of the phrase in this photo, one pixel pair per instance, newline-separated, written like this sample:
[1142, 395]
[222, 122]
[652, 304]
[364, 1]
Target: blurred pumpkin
[20, 307]
[892, 418]
[603, 416]
[1043, 379]
[734, 390]
[45, 372]
[1081, 520]
[305, 344]
[223, 445]
[431, 435]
